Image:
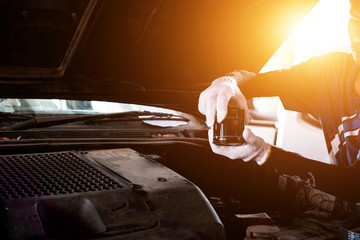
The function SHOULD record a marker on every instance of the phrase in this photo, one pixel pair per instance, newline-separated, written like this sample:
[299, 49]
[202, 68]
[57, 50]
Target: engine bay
[171, 190]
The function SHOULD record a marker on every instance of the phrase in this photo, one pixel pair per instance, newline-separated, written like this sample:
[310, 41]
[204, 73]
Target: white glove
[215, 99]
[255, 148]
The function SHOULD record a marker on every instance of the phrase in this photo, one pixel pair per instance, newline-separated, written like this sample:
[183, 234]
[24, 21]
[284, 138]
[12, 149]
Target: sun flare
[323, 30]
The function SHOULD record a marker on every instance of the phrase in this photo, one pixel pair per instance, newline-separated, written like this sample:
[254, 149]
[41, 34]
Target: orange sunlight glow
[323, 30]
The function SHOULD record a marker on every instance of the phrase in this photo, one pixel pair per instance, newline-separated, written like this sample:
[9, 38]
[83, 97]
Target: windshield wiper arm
[11, 115]
[141, 117]
[41, 122]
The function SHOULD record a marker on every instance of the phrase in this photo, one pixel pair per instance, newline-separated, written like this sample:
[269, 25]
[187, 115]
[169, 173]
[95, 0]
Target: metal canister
[230, 131]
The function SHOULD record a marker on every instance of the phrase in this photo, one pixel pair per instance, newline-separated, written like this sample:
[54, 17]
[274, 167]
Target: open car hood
[159, 52]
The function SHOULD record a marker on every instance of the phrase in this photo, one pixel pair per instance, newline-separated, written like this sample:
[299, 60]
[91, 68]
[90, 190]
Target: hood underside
[160, 52]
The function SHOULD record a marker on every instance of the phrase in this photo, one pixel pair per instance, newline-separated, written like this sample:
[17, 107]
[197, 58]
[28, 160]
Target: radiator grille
[33, 175]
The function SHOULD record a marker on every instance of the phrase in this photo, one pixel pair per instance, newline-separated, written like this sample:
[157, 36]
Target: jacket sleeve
[301, 87]
[339, 181]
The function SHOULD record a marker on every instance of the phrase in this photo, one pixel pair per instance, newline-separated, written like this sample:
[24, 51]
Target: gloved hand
[215, 99]
[255, 148]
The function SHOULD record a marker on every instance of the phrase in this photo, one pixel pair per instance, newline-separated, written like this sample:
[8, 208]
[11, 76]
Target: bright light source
[323, 30]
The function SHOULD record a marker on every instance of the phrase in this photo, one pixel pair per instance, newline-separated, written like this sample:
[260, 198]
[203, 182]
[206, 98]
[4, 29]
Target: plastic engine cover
[113, 194]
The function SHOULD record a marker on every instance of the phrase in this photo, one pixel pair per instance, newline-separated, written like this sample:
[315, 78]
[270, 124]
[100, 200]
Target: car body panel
[153, 52]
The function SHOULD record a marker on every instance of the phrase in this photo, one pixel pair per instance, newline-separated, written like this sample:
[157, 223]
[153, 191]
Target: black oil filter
[230, 130]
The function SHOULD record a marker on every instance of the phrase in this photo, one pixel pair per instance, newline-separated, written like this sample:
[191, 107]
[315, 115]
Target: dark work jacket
[322, 87]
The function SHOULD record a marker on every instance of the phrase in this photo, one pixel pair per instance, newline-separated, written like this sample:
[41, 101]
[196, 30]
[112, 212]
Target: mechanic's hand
[254, 148]
[215, 99]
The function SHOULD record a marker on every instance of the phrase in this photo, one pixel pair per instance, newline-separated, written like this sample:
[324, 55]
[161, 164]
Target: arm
[298, 86]
[301, 87]
[262, 84]
[338, 181]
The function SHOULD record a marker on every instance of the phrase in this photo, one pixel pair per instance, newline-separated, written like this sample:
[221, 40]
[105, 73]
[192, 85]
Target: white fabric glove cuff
[226, 79]
[255, 148]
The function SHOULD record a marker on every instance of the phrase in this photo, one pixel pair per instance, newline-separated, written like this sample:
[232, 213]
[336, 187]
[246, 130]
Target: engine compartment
[162, 190]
